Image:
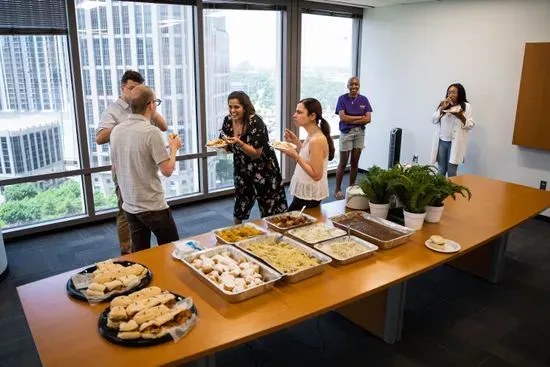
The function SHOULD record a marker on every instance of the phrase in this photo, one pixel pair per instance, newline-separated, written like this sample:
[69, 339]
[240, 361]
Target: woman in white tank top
[309, 183]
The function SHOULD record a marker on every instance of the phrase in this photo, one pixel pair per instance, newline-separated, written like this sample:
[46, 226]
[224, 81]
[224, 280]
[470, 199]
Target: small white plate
[449, 247]
[456, 108]
[216, 147]
[220, 150]
[280, 145]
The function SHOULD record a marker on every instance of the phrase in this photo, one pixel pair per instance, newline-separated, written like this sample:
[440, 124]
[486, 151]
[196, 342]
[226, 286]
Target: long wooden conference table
[371, 292]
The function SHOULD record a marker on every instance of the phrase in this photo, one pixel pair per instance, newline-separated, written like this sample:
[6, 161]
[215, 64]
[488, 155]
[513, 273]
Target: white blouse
[459, 134]
[302, 185]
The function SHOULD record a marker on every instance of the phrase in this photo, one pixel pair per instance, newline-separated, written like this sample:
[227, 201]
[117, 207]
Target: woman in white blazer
[453, 118]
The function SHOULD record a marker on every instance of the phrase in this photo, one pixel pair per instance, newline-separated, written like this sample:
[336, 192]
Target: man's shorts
[353, 139]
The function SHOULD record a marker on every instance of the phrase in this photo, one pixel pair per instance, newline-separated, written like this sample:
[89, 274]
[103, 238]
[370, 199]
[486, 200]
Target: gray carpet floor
[451, 318]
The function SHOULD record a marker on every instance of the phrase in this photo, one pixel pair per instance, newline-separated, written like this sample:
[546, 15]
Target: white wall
[411, 53]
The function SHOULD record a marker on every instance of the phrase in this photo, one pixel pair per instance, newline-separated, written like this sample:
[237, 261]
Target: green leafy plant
[413, 186]
[445, 188]
[375, 185]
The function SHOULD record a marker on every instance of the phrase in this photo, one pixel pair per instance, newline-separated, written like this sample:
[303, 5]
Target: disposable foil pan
[382, 244]
[298, 275]
[302, 233]
[369, 247]
[221, 240]
[269, 275]
[295, 213]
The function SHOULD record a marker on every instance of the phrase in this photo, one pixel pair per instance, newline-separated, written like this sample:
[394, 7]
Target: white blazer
[459, 141]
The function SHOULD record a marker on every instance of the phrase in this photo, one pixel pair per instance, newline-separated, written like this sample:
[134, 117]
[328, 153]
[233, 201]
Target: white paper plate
[217, 147]
[449, 247]
[219, 150]
[276, 144]
[456, 108]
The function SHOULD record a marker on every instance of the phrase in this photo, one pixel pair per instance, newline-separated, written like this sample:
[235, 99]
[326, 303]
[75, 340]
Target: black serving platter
[111, 334]
[77, 293]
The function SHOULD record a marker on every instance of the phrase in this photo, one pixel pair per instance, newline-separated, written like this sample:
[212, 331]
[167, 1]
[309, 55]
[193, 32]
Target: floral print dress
[256, 178]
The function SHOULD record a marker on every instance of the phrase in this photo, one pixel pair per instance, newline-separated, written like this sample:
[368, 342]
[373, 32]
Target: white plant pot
[434, 213]
[414, 220]
[379, 210]
[356, 199]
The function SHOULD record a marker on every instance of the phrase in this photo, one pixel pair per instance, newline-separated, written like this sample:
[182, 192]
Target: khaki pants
[123, 228]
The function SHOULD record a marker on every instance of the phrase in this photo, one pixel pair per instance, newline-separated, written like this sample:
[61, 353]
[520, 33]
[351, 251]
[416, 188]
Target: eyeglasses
[156, 101]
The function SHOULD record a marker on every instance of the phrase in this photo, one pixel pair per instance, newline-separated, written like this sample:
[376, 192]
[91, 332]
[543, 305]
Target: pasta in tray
[283, 256]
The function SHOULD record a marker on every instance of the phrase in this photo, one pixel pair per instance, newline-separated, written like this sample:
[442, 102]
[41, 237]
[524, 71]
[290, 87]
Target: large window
[242, 52]
[41, 201]
[35, 98]
[48, 119]
[327, 62]
[137, 51]
[324, 74]
[37, 125]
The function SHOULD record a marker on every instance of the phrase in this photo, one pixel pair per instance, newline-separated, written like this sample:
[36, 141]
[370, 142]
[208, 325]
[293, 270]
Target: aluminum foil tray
[405, 232]
[295, 276]
[270, 276]
[369, 247]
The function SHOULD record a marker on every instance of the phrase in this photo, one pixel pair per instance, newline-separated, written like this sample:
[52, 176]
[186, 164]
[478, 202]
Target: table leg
[380, 314]
[209, 361]
[486, 261]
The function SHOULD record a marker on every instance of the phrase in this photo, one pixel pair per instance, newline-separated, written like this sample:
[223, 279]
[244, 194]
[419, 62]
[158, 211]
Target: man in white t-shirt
[137, 153]
[113, 115]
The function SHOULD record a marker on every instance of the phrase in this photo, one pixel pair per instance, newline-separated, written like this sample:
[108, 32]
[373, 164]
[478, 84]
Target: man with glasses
[113, 115]
[137, 153]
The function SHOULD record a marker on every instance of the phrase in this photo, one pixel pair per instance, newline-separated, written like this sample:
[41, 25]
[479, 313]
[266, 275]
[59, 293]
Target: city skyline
[36, 98]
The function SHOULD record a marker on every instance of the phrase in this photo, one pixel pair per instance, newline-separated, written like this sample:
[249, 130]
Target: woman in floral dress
[256, 170]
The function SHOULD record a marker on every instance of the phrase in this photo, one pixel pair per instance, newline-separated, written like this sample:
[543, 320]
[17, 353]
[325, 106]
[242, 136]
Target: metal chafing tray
[369, 250]
[298, 275]
[269, 275]
[221, 240]
[382, 244]
[298, 233]
[295, 213]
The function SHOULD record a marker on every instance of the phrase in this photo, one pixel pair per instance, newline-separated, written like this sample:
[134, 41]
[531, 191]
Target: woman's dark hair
[248, 107]
[314, 106]
[461, 99]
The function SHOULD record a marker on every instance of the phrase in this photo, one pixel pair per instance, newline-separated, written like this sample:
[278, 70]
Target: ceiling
[373, 3]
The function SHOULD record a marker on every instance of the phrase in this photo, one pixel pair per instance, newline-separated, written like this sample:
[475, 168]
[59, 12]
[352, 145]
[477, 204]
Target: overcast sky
[326, 40]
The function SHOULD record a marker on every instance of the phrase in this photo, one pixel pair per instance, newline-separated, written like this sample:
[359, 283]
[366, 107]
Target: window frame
[292, 11]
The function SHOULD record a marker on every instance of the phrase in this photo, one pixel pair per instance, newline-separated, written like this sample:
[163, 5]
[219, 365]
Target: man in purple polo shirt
[354, 110]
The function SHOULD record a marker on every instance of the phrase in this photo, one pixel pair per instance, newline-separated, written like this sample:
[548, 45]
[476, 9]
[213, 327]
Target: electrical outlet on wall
[542, 185]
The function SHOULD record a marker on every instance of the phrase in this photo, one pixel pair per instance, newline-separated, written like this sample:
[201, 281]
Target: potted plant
[414, 188]
[443, 188]
[375, 186]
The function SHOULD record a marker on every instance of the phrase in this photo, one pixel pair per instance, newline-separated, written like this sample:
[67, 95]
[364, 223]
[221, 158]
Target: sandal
[338, 195]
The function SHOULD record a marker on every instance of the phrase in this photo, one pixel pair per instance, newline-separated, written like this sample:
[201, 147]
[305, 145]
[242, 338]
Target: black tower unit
[395, 147]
